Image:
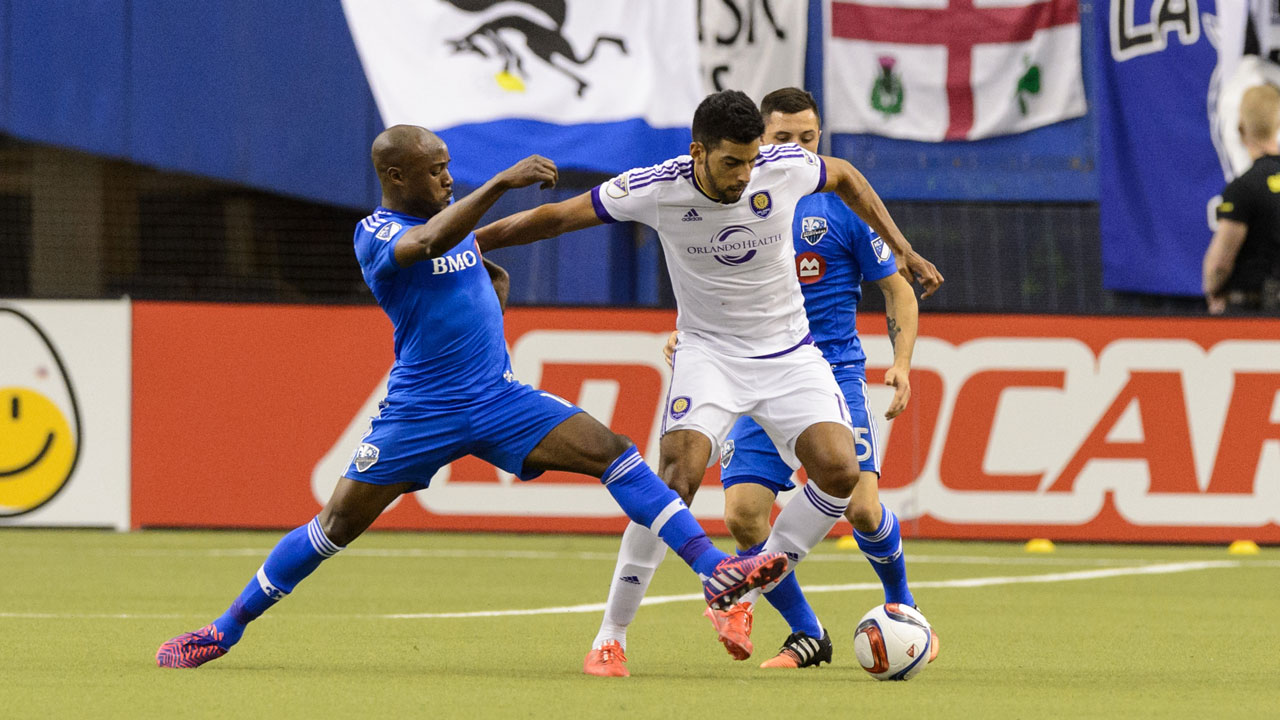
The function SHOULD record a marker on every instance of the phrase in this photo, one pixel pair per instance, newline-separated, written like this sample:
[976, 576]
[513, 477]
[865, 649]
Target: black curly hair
[726, 115]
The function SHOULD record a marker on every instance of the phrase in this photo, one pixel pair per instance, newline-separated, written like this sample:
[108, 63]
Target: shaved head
[1260, 113]
[413, 168]
[398, 145]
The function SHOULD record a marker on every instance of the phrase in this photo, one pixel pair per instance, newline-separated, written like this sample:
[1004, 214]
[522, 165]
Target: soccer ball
[892, 642]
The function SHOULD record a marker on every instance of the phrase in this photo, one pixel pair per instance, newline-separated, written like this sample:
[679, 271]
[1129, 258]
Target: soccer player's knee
[863, 514]
[682, 484]
[620, 444]
[834, 477]
[341, 526]
[607, 449]
[748, 527]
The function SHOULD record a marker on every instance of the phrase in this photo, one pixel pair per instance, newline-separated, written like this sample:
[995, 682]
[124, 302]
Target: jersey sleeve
[815, 171]
[806, 172]
[873, 255]
[377, 250]
[1237, 202]
[629, 196]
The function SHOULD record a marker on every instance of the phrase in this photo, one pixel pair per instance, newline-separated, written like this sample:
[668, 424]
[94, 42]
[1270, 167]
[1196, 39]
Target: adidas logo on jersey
[630, 579]
[691, 216]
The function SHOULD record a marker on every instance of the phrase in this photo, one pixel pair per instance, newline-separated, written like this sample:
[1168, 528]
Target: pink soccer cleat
[734, 576]
[608, 660]
[734, 628]
[191, 650]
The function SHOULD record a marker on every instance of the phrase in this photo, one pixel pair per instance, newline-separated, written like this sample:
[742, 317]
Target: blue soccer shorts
[749, 456]
[500, 427]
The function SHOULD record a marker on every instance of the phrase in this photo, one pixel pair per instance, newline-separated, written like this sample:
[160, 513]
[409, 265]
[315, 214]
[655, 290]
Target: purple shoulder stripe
[784, 147]
[774, 158]
[660, 178]
[598, 206]
[822, 175]
[664, 168]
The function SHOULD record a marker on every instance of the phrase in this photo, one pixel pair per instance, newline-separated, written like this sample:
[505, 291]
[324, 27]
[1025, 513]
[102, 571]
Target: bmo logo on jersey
[810, 267]
[453, 263]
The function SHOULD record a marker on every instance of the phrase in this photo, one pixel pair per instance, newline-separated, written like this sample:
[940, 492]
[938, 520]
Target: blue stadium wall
[272, 95]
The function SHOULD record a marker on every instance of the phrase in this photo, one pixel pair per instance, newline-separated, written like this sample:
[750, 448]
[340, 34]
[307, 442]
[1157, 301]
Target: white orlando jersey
[732, 267]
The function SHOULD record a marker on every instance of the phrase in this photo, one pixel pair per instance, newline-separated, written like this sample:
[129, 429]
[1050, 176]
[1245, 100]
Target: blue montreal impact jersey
[448, 325]
[835, 252]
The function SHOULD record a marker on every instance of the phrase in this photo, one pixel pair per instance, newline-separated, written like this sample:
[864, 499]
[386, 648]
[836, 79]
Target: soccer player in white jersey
[723, 214]
[836, 253]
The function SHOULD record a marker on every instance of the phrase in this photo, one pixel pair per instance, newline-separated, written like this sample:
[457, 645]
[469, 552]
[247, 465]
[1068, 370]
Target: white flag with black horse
[593, 84]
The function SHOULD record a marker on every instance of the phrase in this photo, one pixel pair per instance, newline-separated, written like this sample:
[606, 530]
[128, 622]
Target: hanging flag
[937, 70]
[1161, 158]
[755, 46]
[601, 85]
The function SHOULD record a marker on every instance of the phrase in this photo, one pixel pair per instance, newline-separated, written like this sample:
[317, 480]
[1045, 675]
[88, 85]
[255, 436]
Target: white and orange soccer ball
[892, 642]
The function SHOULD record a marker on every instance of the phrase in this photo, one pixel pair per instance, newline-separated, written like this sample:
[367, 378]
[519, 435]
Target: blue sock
[292, 559]
[648, 501]
[883, 549]
[789, 601]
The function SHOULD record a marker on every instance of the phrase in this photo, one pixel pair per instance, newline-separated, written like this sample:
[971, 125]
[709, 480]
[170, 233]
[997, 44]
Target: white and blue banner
[756, 46]
[602, 85]
[1164, 154]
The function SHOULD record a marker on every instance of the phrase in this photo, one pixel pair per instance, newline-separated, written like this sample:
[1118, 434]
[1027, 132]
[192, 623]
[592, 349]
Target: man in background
[1242, 265]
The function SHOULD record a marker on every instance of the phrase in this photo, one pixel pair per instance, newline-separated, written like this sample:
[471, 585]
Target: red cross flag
[937, 70]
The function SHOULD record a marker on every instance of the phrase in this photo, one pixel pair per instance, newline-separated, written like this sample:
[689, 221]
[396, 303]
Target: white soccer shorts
[784, 394]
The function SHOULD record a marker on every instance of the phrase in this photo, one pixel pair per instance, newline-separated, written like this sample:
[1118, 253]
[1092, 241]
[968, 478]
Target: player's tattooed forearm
[893, 329]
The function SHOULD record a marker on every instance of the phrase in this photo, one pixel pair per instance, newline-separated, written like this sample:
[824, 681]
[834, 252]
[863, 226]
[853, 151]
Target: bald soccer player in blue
[452, 393]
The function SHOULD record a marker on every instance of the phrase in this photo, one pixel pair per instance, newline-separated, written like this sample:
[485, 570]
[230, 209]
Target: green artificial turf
[82, 612]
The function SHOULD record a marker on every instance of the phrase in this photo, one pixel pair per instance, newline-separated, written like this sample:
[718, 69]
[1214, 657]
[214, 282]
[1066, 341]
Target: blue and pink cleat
[734, 576]
[191, 650]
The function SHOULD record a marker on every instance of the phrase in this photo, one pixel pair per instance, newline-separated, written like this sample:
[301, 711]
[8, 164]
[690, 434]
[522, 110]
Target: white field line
[93, 616]
[462, 554]
[1161, 569]
[1157, 569]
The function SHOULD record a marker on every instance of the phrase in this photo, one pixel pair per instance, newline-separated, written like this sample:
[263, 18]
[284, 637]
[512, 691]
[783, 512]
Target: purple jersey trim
[780, 156]
[806, 340]
[663, 169]
[666, 177]
[598, 206]
[822, 175]
[784, 147]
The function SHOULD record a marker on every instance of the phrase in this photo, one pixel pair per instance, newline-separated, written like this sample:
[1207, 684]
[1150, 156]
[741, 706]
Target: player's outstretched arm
[902, 315]
[845, 180]
[441, 233]
[540, 223]
[501, 282]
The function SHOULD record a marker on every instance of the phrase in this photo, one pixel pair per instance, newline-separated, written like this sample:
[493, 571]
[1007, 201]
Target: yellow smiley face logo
[37, 450]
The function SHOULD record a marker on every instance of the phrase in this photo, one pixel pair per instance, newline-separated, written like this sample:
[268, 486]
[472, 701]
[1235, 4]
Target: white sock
[638, 559]
[803, 523]
[752, 596]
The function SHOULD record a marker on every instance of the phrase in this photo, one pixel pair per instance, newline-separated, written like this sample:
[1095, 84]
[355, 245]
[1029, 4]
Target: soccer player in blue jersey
[452, 393]
[724, 215]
